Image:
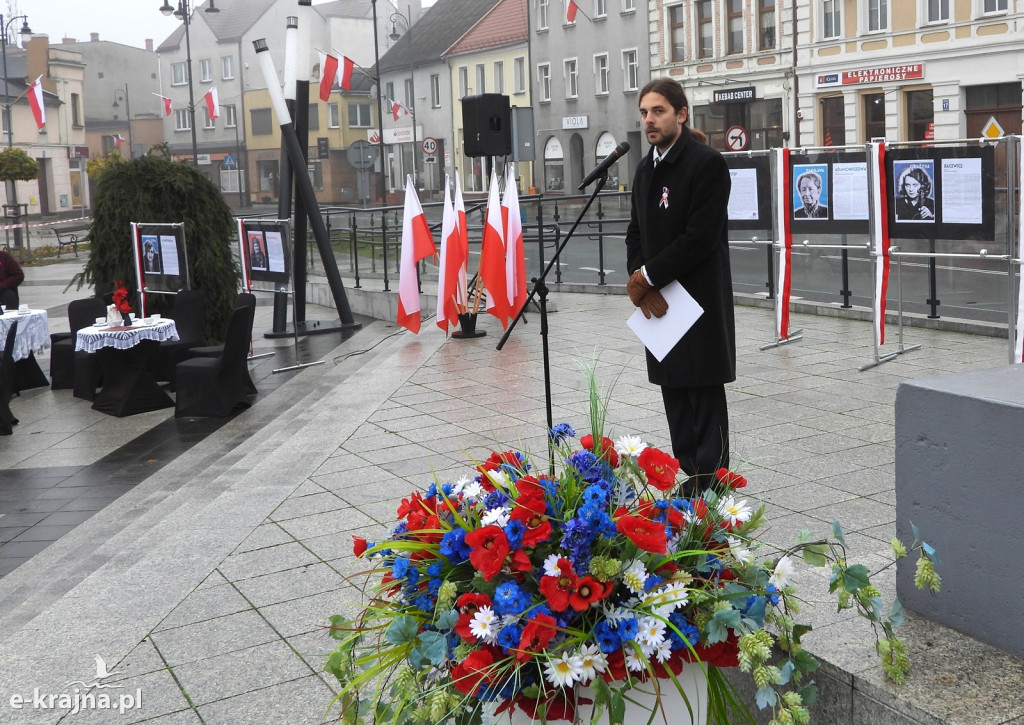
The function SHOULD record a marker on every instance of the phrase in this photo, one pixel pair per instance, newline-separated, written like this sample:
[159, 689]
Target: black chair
[245, 300]
[188, 315]
[8, 385]
[63, 359]
[214, 387]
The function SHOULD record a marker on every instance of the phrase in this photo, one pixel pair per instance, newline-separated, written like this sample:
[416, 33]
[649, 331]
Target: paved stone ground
[207, 584]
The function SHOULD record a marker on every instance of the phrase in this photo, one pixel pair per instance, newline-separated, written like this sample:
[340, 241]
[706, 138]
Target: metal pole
[128, 110]
[183, 8]
[380, 112]
[12, 186]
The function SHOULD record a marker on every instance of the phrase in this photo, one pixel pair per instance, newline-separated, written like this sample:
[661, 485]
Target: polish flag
[515, 260]
[417, 244]
[345, 68]
[167, 104]
[397, 107]
[212, 103]
[786, 250]
[571, 8]
[450, 270]
[876, 178]
[328, 72]
[35, 99]
[492, 257]
[118, 140]
[462, 295]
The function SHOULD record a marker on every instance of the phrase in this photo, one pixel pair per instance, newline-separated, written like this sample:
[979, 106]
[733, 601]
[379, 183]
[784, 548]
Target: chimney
[149, 44]
[69, 40]
[94, 37]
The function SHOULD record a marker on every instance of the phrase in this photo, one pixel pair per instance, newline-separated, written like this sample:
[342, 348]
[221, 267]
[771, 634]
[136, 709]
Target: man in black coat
[678, 230]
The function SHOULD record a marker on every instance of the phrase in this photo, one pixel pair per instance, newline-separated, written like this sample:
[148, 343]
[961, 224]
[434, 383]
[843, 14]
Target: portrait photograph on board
[914, 195]
[810, 191]
[257, 252]
[151, 255]
[265, 250]
[160, 254]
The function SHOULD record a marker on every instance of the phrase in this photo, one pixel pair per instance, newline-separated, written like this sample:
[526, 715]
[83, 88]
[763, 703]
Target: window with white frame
[631, 70]
[389, 90]
[878, 15]
[230, 114]
[359, 115]
[481, 79]
[994, 6]
[227, 67]
[544, 81]
[205, 70]
[463, 81]
[182, 121]
[333, 116]
[207, 121]
[435, 91]
[179, 74]
[600, 8]
[519, 74]
[409, 99]
[499, 77]
[938, 11]
[677, 33]
[628, 6]
[831, 18]
[572, 76]
[601, 74]
[542, 14]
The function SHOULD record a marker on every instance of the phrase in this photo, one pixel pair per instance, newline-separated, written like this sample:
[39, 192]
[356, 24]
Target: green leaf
[804, 661]
[765, 697]
[335, 665]
[896, 613]
[815, 555]
[339, 627]
[856, 577]
[799, 630]
[402, 630]
[837, 531]
[804, 535]
[876, 609]
[617, 710]
[808, 693]
[729, 617]
[930, 551]
[786, 670]
[434, 647]
[448, 620]
[717, 632]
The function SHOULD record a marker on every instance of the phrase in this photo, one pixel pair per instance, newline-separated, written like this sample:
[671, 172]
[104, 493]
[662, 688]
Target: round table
[33, 336]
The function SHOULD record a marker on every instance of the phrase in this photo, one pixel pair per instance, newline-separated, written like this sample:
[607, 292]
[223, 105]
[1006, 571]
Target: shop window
[833, 121]
[874, 116]
[920, 116]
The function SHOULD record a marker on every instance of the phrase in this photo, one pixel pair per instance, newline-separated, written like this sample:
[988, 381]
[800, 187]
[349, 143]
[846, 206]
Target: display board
[161, 258]
[265, 251]
[829, 192]
[750, 199]
[941, 192]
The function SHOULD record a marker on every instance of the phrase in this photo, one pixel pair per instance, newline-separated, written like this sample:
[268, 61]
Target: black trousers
[698, 420]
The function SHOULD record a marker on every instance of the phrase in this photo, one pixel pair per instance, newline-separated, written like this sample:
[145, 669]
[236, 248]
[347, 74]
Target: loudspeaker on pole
[487, 125]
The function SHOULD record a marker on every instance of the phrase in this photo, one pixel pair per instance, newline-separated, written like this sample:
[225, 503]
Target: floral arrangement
[510, 589]
[121, 298]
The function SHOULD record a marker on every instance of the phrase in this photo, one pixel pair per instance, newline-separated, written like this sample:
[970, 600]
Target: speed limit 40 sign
[429, 146]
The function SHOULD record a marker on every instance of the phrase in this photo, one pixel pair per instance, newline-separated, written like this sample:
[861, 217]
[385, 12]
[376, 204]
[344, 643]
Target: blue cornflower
[400, 568]
[688, 630]
[434, 585]
[447, 490]
[431, 491]
[509, 598]
[435, 569]
[495, 499]
[509, 636]
[514, 531]
[772, 595]
[453, 546]
[424, 602]
[607, 638]
[652, 581]
[587, 464]
[628, 628]
[401, 528]
[560, 433]
[595, 495]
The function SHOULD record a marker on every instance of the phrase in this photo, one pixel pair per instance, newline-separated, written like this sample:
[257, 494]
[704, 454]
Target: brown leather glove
[655, 303]
[637, 287]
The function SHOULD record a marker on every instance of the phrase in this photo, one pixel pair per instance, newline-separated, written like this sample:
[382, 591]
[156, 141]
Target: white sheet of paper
[660, 334]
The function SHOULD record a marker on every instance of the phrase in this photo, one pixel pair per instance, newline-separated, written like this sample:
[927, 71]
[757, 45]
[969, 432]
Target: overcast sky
[122, 21]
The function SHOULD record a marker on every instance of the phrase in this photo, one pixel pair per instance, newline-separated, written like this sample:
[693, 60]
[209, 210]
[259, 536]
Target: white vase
[642, 700]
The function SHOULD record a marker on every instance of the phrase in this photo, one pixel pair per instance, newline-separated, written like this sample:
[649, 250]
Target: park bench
[65, 239]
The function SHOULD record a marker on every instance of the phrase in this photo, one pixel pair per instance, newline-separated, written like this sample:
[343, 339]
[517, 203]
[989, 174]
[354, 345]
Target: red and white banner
[492, 256]
[460, 220]
[167, 104]
[1018, 345]
[880, 236]
[212, 103]
[118, 140]
[571, 8]
[452, 265]
[784, 213]
[35, 99]
[398, 108]
[417, 244]
[334, 68]
[515, 258]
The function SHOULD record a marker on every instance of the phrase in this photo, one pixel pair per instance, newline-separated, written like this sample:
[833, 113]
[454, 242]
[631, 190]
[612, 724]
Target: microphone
[603, 167]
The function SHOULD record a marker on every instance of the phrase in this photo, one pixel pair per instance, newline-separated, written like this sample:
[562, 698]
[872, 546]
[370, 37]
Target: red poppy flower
[648, 535]
[532, 512]
[729, 478]
[558, 705]
[359, 545]
[615, 666]
[587, 591]
[608, 451]
[719, 654]
[529, 486]
[489, 547]
[557, 589]
[472, 672]
[535, 637]
[468, 604]
[660, 467]
[520, 561]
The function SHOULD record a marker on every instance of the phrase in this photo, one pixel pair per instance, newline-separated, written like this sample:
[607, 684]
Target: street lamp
[12, 186]
[185, 15]
[128, 113]
[395, 35]
[380, 115]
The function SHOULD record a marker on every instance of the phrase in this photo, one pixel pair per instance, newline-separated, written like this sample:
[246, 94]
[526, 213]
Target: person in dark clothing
[912, 200]
[11, 275]
[678, 230]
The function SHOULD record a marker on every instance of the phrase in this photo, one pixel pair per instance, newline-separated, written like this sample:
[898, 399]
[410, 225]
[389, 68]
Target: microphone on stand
[603, 167]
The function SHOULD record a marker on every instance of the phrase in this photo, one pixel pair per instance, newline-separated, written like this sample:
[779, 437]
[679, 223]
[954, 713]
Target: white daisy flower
[784, 570]
[739, 550]
[499, 516]
[630, 446]
[733, 511]
[484, 625]
[500, 479]
[592, 662]
[564, 669]
[668, 598]
[635, 661]
[551, 565]
[650, 631]
[471, 489]
[664, 650]
[635, 576]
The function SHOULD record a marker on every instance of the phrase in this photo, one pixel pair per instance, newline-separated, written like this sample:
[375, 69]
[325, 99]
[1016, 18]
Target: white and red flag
[880, 235]
[515, 258]
[417, 244]
[167, 104]
[451, 267]
[460, 220]
[399, 108]
[1018, 345]
[212, 103]
[334, 68]
[571, 8]
[35, 99]
[492, 256]
[118, 140]
[783, 201]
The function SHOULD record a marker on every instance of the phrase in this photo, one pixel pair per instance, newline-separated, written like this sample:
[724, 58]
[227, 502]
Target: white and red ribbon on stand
[786, 251]
[1018, 344]
[880, 236]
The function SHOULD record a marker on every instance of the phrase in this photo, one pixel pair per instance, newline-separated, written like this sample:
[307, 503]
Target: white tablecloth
[33, 332]
[94, 338]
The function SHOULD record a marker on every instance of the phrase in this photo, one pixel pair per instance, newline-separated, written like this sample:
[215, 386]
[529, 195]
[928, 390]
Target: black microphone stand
[540, 290]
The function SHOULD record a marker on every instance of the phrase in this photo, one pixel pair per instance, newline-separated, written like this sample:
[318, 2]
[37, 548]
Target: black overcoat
[679, 229]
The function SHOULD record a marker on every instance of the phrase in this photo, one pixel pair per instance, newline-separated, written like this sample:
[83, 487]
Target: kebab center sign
[884, 74]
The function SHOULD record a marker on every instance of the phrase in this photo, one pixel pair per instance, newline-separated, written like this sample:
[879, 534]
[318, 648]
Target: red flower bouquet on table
[120, 301]
[509, 591]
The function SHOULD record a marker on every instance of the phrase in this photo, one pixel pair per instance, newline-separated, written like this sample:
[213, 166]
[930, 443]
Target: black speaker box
[487, 125]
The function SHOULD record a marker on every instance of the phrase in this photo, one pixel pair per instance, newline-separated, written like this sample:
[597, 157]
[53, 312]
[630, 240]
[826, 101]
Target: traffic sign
[736, 138]
[361, 154]
[429, 146]
[229, 161]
